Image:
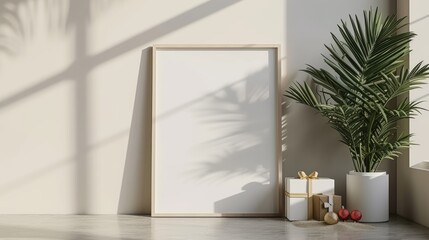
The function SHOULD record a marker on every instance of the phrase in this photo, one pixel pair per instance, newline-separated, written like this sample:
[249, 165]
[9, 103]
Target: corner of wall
[412, 193]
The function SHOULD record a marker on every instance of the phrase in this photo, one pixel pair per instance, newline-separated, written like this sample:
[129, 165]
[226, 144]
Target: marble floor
[125, 227]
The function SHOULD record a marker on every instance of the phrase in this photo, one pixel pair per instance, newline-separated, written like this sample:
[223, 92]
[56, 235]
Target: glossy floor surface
[111, 227]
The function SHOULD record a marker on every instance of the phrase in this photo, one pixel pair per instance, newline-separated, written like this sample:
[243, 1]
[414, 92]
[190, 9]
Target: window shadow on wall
[78, 16]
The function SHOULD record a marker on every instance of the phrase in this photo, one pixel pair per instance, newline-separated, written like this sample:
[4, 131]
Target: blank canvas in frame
[216, 131]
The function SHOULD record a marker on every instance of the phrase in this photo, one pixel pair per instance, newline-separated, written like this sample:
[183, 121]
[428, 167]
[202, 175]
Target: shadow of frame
[135, 196]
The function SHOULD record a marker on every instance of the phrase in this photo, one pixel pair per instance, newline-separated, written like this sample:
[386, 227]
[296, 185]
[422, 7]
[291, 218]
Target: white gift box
[299, 192]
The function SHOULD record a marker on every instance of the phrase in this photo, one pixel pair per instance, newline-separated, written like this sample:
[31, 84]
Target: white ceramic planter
[368, 192]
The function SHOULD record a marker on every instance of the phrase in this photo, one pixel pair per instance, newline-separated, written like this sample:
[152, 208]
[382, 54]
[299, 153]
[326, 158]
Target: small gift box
[323, 204]
[299, 192]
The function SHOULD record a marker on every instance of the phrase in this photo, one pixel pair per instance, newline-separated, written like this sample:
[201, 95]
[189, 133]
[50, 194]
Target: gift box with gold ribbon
[323, 204]
[299, 193]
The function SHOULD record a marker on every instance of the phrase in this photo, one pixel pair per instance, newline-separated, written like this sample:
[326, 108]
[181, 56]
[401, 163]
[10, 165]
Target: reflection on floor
[112, 227]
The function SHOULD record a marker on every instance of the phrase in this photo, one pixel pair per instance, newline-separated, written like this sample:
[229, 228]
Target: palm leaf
[357, 93]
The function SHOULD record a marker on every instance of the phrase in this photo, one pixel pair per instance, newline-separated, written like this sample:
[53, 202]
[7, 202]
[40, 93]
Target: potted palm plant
[359, 95]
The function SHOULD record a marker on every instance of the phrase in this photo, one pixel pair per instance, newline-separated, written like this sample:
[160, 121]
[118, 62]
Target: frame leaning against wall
[185, 174]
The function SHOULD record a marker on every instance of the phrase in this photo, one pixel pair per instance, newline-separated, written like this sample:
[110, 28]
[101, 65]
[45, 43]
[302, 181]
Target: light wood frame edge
[280, 183]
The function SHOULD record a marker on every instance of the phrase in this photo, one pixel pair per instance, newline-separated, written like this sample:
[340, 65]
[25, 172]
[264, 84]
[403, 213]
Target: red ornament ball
[343, 213]
[356, 215]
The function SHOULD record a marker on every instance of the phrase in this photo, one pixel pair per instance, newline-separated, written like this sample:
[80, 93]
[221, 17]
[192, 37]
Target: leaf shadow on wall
[13, 32]
[243, 129]
[244, 137]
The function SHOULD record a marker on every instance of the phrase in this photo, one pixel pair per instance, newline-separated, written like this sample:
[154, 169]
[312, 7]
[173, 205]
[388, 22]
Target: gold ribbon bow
[303, 175]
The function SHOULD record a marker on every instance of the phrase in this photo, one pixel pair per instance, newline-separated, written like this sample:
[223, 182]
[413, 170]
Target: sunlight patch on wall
[419, 20]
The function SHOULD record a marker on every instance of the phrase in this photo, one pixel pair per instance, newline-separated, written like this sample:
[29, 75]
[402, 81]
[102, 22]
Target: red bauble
[343, 213]
[356, 215]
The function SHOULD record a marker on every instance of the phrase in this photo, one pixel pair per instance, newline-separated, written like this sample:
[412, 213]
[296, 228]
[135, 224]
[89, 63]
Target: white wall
[73, 111]
[413, 170]
[74, 92]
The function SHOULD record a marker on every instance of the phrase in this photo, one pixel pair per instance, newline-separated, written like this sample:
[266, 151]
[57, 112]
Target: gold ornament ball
[331, 218]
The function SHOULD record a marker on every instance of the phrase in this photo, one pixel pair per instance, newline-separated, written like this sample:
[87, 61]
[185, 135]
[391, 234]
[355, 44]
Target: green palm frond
[367, 73]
